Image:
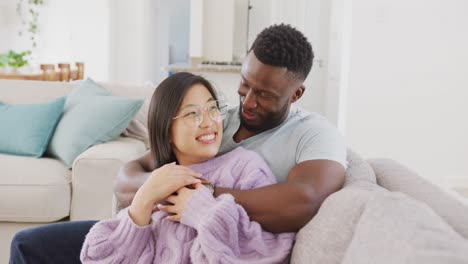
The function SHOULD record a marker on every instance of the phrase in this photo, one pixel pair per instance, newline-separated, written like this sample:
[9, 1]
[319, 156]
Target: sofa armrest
[327, 236]
[93, 175]
[445, 202]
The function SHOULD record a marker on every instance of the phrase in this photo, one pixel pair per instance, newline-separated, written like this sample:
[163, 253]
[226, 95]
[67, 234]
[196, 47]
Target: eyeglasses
[193, 115]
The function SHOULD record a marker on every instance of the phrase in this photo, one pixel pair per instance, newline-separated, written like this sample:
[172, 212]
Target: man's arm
[288, 206]
[131, 177]
[282, 207]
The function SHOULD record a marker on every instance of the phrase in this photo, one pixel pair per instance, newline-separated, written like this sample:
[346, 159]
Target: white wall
[196, 29]
[69, 31]
[179, 30]
[408, 85]
[118, 40]
[240, 29]
[226, 84]
[338, 62]
[10, 24]
[311, 17]
[260, 17]
[218, 28]
[139, 40]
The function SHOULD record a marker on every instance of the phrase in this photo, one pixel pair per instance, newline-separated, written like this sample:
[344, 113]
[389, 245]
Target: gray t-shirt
[302, 136]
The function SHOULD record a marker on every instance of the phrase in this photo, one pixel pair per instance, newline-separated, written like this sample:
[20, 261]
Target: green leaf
[3, 60]
[16, 60]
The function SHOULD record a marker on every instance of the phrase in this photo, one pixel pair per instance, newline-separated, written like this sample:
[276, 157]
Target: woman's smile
[207, 138]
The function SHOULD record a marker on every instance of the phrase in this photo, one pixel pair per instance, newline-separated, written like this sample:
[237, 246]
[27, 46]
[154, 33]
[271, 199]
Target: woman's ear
[298, 93]
[170, 134]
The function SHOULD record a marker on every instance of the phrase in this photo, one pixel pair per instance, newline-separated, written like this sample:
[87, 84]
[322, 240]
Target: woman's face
[194, 143]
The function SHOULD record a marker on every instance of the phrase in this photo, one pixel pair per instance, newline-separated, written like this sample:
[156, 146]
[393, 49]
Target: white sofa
[34, 191]
[385, 213]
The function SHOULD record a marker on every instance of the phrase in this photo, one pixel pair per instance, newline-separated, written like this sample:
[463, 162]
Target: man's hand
[308, 185]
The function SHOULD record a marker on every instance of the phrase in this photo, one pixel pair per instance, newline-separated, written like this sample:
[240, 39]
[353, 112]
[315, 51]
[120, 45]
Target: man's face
[266, 93]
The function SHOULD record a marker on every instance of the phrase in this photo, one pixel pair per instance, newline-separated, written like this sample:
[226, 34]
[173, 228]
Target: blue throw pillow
[92, 115]
[26, 129]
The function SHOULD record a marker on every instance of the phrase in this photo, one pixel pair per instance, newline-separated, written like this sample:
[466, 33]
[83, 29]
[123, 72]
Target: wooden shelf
[186, 67]
[49, 73]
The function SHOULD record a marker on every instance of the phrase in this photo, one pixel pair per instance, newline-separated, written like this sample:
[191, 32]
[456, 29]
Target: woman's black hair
[164, 105]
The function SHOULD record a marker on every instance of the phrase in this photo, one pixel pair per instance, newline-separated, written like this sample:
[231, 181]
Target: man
[305, 152]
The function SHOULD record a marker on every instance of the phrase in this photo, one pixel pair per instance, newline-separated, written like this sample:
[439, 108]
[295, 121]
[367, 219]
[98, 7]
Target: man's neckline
[292, 110]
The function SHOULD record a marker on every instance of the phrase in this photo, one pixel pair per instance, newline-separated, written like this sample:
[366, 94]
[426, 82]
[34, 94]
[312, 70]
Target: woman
[185, 127]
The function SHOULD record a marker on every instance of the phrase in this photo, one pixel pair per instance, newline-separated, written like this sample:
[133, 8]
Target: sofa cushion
[364, 223]
[33, 190]
[27, 128]
[26, 92]
[396, 177]
[91, 116]
[327, 236]
[395, 228]
[138, 126]
[358, 171]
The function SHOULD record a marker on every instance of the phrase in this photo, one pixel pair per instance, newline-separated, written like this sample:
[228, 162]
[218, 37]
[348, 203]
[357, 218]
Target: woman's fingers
[170, 209]
[188, 171]
[173, 218]
[204, 181]
[168, 179]
[198, 186]
[173, 169]
[155, 208]
[182, 180]
[172, 199]
[185, 176]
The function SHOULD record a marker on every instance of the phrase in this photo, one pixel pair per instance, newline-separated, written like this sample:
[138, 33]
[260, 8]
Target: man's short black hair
[284, 46]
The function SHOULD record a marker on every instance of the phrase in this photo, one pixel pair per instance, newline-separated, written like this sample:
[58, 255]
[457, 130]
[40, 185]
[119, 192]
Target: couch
[35, 191]
[385, 213]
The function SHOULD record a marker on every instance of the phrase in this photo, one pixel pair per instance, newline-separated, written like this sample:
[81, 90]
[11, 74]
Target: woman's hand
[179, 201]
[160, 184]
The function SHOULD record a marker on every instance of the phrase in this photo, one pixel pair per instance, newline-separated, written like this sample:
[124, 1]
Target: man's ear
[298, 93]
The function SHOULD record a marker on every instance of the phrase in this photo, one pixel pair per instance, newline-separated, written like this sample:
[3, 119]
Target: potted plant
[14, 60]
[3, 60]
